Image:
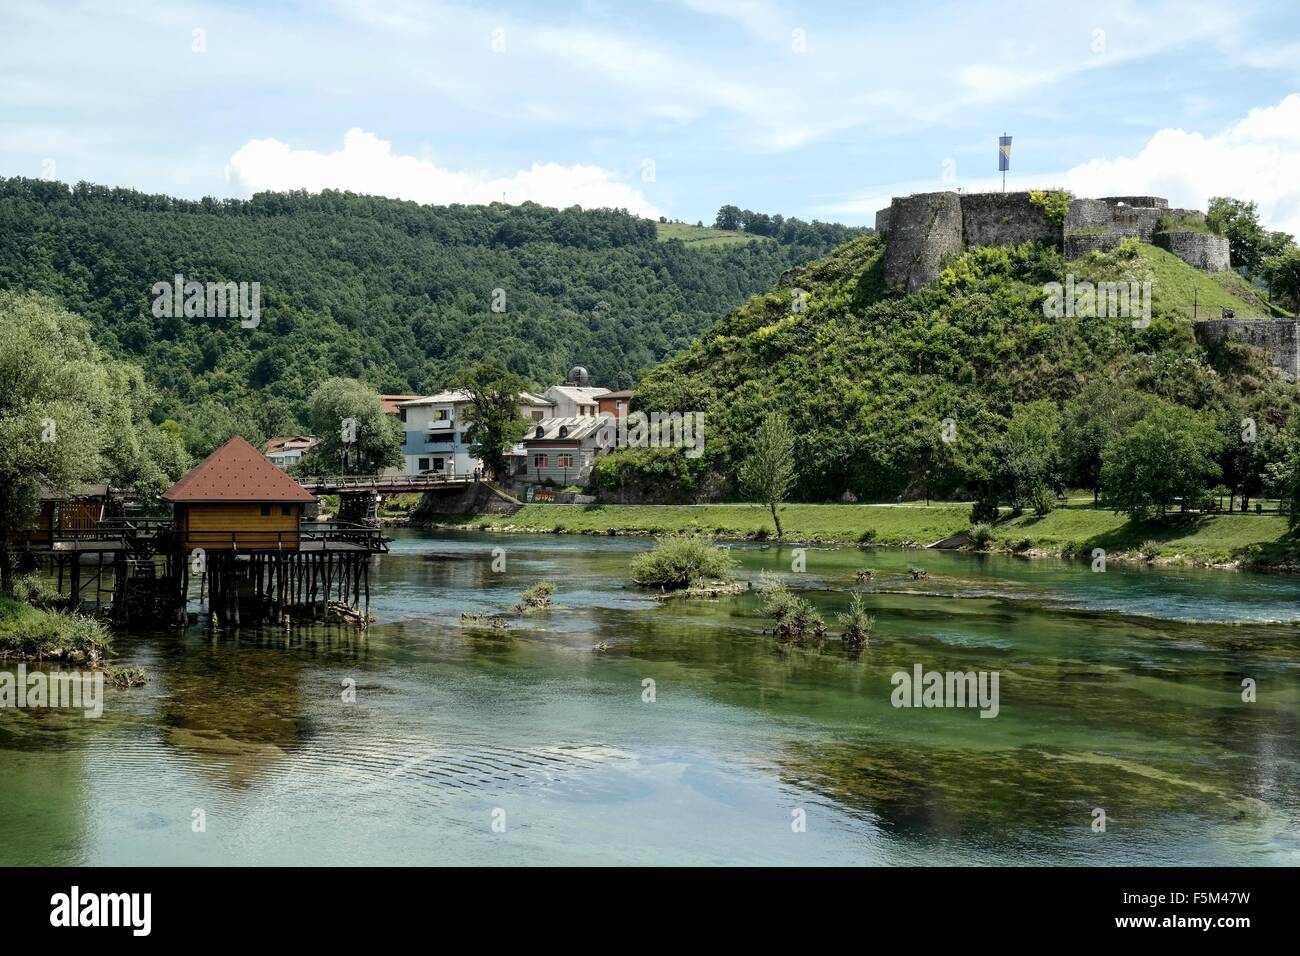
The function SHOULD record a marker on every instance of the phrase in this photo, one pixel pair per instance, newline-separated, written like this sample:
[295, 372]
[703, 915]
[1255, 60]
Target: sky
[664, 107]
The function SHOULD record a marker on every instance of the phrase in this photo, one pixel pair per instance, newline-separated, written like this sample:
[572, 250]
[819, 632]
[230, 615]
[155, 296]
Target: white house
[574, 401]
[435, 426]
[288, 450]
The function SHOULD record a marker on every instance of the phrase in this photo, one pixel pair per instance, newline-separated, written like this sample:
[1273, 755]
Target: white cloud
[1257, 158]
[367, 164]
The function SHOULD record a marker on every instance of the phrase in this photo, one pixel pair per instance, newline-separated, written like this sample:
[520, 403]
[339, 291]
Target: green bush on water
[35, 633]
[682, 562]
[796, 619]
[536, 597]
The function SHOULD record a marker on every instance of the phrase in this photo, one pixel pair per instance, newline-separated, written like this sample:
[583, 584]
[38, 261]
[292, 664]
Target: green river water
[1119, 691]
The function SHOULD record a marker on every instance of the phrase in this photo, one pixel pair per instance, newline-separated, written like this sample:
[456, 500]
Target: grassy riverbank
[30, 633]
[1211, 538]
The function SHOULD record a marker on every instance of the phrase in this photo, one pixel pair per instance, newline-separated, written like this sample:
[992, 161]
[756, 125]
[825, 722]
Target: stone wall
[1199, 249]
[1279, 338]
[882, 221]
[1005, 219]
[1089, 214]
[923, 229]
[1076, 247]
[1153, 202]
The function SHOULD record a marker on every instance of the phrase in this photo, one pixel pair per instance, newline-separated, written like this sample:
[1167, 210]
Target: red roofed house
[237, 499]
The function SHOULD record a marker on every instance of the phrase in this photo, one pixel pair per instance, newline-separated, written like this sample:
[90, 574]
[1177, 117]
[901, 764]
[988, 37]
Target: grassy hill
[1178, 289]
[703, 236]
[867, 375]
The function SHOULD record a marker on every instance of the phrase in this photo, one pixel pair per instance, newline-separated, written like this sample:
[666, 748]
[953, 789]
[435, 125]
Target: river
[1120, 693]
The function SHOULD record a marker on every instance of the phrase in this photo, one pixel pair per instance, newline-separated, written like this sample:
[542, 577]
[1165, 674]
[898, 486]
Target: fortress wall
[1199, 249]
[882, 221]
[1152, 202]
[1076, 247]
[923, 228]
[1003, 219]
[1279, 338]
[1089, 214]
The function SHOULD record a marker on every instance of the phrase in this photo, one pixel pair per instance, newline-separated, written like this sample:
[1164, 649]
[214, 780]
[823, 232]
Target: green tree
[348, 415]
[1089, 422]
[768, 473]
[495, 421]
[728, 218]
[1168, 455]
[1249, 243]
[1029, 456]
[68, 415]
[1282, 273]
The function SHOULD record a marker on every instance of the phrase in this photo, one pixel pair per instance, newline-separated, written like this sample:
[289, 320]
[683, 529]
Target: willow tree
[768, 474]
[68, 415]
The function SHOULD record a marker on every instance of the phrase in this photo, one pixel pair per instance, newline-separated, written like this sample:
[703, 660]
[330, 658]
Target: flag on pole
[1004, 153]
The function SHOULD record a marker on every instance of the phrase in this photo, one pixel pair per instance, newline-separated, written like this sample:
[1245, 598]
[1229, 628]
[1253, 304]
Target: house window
[266, 510]
[541, 461]
[423, 465]
[438, 464]
[538, 416]
[286, 509]
[566, 461]
[401, 414]
[441, 415]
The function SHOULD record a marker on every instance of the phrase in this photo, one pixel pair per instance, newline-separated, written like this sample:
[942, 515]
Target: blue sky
[811, 109]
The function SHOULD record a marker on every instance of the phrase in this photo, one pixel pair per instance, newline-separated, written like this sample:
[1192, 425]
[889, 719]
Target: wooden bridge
[385, 484]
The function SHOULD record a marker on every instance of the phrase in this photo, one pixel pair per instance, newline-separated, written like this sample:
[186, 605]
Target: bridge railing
[381, 482]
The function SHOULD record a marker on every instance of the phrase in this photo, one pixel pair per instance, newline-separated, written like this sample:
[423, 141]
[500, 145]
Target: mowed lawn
[1208, 538]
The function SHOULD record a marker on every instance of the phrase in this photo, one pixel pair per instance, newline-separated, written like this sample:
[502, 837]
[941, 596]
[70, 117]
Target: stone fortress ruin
[923, 229]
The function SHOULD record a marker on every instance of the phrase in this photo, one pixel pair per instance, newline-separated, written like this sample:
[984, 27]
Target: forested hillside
[395, 293]
[967, 389]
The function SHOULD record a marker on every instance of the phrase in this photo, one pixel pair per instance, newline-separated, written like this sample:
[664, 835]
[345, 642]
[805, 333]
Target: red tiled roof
[390, 402]
[237, 472]
[291, 443]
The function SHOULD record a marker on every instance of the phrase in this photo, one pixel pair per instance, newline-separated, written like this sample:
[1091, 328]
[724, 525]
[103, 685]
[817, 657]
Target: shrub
[1043, 500]
[681, 562]
[796, 619]
[1055, 203]
[984, 511]
[1149, 549]
[981, 535]
[536, 597]
[37, 593]
[857, 623]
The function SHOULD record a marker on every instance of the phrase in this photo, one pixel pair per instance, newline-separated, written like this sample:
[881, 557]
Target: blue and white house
[435, 435]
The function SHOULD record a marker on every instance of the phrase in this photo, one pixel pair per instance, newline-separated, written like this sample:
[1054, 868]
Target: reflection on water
[1119, 691]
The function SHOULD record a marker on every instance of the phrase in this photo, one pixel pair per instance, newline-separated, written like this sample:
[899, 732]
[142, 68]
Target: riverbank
[33, 634]
[1258, 541]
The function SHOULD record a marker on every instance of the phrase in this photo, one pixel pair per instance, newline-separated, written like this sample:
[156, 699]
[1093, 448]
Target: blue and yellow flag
[1004, 153]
